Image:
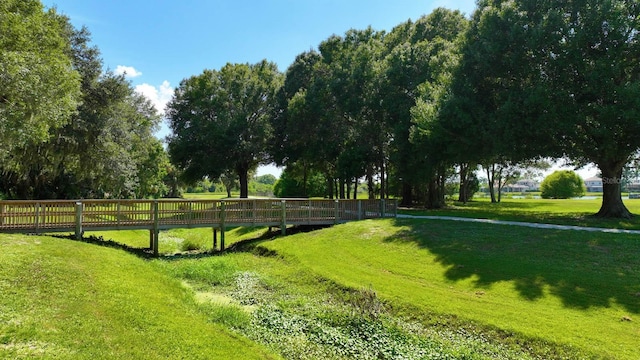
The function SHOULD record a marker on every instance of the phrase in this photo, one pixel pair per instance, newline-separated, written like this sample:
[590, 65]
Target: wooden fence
[77, 216]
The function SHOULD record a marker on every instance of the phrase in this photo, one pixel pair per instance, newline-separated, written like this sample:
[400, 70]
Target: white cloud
[158, 95]
[128, 71]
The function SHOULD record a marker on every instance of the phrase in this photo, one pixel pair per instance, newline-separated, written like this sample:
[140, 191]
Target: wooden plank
[109, 214]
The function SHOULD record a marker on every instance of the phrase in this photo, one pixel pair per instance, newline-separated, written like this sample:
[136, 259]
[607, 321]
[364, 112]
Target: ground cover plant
[578, 212]
[578, 289]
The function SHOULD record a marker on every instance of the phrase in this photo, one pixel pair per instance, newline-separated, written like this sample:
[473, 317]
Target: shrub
[562, 184]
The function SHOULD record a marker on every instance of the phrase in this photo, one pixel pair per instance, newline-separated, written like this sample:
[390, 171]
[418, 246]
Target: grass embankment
[371, 289]
[63, 299]
[577, 289]
[577, 212]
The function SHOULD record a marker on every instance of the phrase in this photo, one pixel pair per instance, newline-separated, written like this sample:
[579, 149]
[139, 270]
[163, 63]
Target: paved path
[520, 223]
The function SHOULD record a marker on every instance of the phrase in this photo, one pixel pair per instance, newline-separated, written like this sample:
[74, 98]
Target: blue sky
[161, 42]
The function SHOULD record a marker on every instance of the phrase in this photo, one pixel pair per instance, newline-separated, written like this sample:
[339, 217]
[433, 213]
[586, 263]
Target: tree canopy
[39, 88]
[538, 79]
[69, 129]
[562, 184]
[220, 121]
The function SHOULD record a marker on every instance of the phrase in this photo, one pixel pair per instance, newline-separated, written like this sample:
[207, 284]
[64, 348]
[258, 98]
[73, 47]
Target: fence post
[36, 219]
[222, 218]
[79, 208]
[360, 210]
[156, 230]
[395, 208]
[337, 212]
[118, 215]
[283, 217]
[383, 208]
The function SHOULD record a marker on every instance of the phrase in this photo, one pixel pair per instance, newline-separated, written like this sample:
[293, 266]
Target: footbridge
[77, 216]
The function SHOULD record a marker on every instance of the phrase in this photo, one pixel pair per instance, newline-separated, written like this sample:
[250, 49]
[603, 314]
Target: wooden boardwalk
[77, 216]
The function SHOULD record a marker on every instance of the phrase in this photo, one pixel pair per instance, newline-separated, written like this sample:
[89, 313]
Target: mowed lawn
[551, 294]
[566, 287]
[62, 299]
[576, 212]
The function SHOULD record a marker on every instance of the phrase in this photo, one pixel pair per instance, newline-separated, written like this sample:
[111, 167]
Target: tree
[39, 88]
[104, 148]
[562, 184]
[418, 52]
[567, 70]
[291, 184]
[220, 120]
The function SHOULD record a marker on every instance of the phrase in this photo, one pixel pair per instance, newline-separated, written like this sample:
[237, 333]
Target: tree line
[401, 111]
[70, 129]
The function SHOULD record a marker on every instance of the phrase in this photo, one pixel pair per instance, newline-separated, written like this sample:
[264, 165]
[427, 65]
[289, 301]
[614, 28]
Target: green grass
[176, 241]
[553, 211]
[569, 288]
[370, 289]
[64, 299]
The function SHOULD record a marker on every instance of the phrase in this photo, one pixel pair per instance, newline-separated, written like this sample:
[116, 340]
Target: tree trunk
[304, 178]
[243, 174]
[383, 183]
[355, 189]
[612, 205]
[407, 194]
[434, 197]
[463, 197]
[370, 185]
[490, 179]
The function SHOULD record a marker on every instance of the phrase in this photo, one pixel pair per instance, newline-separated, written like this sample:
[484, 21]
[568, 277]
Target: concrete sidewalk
[520, 223]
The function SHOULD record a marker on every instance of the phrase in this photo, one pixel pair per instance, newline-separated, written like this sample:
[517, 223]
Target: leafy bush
[291, 184]
[562, 184]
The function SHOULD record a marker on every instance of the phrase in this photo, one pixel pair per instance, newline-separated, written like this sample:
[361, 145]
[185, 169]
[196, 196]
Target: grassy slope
[69, 300]
[574, 288]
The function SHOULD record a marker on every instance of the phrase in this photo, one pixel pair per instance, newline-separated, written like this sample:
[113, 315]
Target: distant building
[523, 185]
[593, 184]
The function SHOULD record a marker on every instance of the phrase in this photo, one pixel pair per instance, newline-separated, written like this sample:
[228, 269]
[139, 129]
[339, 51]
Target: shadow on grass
[584, 270]
[99, 240]
[246, 245]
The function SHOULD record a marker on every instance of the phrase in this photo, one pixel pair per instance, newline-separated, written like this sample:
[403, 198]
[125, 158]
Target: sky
[158, 43]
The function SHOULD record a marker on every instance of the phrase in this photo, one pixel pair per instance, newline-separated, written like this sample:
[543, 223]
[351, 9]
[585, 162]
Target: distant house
[634, 186]
[531, 185]
[593, 184]
[522, 186]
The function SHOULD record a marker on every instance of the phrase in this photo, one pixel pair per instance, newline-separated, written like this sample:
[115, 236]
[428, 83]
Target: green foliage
[267, 179]
[103, 146]
[562, 184]
[210, 133]
[39, 88]
[578, 88]
[294, 182]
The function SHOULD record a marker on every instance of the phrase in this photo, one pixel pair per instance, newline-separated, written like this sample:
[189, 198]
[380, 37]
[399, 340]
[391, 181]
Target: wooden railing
[84, 215]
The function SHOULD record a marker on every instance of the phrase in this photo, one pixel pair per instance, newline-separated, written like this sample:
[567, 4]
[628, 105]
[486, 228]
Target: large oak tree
[220, 120]
[550, 79]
